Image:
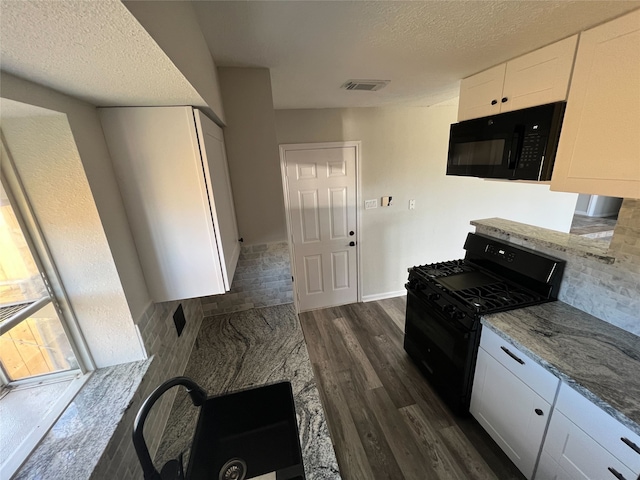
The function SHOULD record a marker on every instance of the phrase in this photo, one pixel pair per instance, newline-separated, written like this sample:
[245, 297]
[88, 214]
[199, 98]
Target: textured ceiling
[95, 50]
[423, 47]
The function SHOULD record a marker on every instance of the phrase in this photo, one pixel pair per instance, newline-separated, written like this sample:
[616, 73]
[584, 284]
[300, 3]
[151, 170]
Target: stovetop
[468, 285]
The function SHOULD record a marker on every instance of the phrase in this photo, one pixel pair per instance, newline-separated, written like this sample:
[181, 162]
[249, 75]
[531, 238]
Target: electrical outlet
[179, 320]
[368, 204]
[412, 204]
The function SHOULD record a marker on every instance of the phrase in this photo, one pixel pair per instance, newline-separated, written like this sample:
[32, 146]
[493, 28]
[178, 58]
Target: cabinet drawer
[600, 426]
[541, 381]
[569, 453]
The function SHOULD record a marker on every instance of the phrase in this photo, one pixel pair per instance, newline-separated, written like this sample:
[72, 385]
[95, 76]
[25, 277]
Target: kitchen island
[599, 360]
[247, 349]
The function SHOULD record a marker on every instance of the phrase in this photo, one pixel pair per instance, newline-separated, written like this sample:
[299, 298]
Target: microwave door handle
[516, 147]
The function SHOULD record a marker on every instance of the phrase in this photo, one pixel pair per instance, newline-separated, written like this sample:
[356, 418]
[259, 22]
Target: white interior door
[321, 199]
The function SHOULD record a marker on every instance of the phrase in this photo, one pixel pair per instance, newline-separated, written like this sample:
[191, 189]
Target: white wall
[174, 26]
[77, 201]
[404, 152]
[252, 153]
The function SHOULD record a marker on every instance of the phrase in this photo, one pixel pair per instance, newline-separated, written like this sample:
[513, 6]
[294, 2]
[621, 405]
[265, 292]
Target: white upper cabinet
[480, 94]
[599, 149]
[536, 78]
[172, 171]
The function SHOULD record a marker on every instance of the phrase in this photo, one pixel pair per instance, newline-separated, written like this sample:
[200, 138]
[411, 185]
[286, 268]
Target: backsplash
[262, 278]
[609, 291]
[170, 356]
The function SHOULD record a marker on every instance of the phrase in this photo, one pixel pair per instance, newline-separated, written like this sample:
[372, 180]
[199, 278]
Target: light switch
[368, 204]
[386, 201]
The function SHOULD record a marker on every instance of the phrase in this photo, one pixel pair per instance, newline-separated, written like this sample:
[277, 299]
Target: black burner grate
[444, 269]
[497, 296]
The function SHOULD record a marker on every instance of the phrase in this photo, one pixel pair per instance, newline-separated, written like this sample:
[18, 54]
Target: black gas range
[446, 300]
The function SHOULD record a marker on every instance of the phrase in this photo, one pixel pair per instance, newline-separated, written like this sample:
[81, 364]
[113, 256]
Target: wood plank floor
[384, 419]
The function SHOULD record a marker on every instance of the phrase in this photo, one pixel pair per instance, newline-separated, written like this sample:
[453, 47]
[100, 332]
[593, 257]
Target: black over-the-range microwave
[517, 145]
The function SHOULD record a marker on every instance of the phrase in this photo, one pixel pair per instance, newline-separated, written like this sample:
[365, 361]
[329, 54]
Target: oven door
[444, 350]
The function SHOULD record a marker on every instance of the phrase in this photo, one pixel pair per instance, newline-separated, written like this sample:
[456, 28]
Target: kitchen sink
[251, 432]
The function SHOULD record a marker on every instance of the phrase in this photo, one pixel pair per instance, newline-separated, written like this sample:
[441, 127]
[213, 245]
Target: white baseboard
[382, 296]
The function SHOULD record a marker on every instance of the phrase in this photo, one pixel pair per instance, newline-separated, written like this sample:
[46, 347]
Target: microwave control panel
[532, 154]
[533, 147]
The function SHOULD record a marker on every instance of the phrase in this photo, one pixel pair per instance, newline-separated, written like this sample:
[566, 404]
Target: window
[43, 359]
[33, 341]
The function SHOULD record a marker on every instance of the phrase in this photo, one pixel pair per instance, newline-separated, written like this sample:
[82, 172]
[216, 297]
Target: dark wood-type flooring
[385, 421]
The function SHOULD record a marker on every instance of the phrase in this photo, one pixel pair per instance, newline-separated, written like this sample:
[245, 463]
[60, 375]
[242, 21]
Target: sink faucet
[173, 469]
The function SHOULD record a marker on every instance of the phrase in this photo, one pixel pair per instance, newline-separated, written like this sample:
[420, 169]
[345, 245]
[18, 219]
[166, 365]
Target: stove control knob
[459, 315]
[449, 308]
[433, 296]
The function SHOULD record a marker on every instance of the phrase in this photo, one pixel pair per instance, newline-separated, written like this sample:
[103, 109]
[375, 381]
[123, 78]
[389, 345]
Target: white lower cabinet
[569, 453]
[505, 404]
[584, 442]
[513, 398]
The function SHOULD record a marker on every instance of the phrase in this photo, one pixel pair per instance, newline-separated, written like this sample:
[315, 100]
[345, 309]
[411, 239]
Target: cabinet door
[157, 161]
[539, 77]
[506, 408]
[214, 163]
[599, 149]
[569, 453]
[480, 94]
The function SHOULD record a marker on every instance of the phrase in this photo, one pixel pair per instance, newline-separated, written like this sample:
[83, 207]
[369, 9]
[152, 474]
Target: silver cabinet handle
[512, 355]
[630, 444]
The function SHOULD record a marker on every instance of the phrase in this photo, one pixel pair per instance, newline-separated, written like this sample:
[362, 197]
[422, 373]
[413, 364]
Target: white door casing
[320, 190]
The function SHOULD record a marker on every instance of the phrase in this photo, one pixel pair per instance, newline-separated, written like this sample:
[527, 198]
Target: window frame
[48, 271]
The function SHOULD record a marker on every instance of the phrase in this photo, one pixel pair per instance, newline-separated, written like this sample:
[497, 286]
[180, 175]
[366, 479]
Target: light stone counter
[74, 445]
[598, 359]
[252, 348]
[559, 241]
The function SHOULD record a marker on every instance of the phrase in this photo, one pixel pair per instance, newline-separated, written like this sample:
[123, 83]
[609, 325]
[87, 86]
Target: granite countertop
[584, 247]
[74, 445]
[598, 359]
[246, 349]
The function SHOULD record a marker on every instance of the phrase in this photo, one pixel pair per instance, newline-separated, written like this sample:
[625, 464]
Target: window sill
[75, 443]
[27, 414]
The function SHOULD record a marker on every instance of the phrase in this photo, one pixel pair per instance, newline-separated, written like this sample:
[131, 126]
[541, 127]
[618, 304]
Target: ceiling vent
[365, 85]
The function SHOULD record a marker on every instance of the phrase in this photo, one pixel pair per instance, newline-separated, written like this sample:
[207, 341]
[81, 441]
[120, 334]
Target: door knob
[539, 412]
[493, 102]
[352, 244]
[504, 99]
[352, 233]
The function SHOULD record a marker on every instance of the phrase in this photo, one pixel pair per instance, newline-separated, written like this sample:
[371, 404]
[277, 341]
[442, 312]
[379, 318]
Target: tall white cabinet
[172, 171]
[599, 149]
